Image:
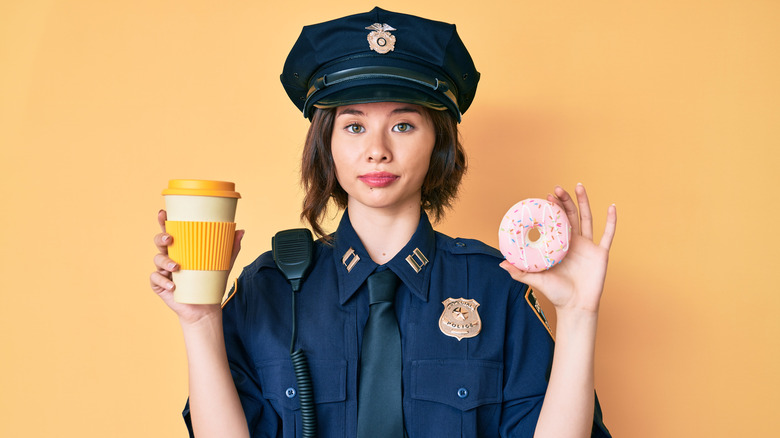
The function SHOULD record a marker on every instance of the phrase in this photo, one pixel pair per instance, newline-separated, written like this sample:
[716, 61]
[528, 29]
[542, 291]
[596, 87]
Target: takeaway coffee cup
[201, 217]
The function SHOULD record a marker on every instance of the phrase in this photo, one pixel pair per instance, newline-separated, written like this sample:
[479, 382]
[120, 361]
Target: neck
[384, 233]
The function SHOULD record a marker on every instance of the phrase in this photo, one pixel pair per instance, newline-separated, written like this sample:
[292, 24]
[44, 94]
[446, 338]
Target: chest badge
[381, 40]
[460, 318]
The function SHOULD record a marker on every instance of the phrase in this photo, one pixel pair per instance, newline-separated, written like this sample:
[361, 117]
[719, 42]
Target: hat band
[375, 72]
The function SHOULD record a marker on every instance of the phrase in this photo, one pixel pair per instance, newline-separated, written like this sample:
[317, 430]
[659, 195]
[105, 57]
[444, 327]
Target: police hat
[380, 56]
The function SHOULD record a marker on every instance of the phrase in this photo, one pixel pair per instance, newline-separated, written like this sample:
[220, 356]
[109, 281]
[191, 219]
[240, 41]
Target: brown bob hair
[318, 172]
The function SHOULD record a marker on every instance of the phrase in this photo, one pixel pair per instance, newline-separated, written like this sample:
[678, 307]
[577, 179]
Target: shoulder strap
[471, 246]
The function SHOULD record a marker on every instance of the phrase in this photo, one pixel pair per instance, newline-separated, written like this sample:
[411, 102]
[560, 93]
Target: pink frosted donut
[534, 235]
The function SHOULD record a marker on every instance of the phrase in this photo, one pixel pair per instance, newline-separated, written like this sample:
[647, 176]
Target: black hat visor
[368, 84]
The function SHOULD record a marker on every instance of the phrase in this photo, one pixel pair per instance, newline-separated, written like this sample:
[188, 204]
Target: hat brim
[373, 94]
[380, 90]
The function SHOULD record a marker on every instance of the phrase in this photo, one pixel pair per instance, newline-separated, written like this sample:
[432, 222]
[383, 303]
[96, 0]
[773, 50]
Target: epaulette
[265, 260]
[470, 246]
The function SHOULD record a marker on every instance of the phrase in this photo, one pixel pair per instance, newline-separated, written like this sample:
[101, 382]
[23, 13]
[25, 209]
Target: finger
[586, 217]
[569, 207]
[609, 228]
[554, 200]
[162, 216]
[237, 241]
[162, 241]
[160, 282]
[163, 263]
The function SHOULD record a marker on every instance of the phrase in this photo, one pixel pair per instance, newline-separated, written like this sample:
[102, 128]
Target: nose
[379, 148]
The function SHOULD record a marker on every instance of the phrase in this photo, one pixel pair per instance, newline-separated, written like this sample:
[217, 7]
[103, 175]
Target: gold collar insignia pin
[381, 40]
[418, 264]
[460, 318]
[350, 263]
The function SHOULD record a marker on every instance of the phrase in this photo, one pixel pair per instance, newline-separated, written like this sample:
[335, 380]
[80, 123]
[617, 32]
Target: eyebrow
[401, 110]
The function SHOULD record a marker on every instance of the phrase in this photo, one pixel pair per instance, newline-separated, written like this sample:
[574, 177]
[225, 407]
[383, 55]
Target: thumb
[533, 279]
[513, 271]
[236, 246]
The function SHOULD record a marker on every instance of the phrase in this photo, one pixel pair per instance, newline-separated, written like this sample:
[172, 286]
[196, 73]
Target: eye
[354, 128]
[402, 127]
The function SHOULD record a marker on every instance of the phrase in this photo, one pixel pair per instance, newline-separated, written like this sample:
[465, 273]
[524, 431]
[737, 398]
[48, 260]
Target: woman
[385, 92]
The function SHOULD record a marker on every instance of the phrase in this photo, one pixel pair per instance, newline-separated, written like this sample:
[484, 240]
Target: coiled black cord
[305, 394]
[303, 379]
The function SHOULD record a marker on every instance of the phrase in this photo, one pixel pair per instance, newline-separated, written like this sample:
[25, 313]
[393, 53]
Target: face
[381, 152]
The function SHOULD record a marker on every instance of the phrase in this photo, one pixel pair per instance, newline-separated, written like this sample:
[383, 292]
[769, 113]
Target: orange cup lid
[199, 187]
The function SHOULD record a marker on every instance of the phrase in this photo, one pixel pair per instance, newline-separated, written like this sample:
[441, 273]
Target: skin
[382, 152]
[390, 140]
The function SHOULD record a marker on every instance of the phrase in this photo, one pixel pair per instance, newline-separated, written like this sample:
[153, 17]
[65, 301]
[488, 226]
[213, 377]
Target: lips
[378, 179]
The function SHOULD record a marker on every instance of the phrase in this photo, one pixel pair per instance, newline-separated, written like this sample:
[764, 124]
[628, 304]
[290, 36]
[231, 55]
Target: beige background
[667, 108]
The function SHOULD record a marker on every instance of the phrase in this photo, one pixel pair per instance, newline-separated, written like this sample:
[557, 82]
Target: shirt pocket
[329, 377]
[455, 398]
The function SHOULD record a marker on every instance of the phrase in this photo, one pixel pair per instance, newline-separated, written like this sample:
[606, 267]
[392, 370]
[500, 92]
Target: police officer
[459, 346]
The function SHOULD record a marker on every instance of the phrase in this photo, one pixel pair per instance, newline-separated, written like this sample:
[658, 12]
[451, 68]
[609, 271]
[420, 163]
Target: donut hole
[534, 235]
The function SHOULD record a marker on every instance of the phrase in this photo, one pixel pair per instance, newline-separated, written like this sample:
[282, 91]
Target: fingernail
[169, 286]
[171, 266]
[165, 238]
[579, 184]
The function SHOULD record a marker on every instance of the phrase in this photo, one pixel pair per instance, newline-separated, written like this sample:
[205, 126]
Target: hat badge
[381, 40]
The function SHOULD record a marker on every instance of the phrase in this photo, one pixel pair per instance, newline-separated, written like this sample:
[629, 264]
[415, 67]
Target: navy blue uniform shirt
[491, 384]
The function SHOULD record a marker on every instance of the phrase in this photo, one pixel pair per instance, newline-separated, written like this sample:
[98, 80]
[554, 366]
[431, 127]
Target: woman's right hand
[161, 279]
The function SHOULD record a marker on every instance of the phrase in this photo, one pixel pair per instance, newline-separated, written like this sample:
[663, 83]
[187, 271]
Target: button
[463, 393]
[290, 393]
[460, 244]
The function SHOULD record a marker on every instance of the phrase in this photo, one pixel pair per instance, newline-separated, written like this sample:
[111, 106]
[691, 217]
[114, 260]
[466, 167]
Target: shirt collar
[412, 264]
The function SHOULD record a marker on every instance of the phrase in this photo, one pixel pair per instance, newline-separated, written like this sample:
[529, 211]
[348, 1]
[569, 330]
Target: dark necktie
[380, 410]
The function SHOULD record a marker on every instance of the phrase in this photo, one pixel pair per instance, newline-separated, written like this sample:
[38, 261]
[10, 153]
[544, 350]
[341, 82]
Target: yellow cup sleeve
[201, 246]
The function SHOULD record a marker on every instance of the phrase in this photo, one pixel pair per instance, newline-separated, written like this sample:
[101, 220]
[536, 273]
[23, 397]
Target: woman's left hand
[577, 282]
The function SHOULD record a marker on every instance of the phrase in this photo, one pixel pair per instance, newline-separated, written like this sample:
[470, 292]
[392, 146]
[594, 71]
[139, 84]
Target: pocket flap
[462, 384]
[278, 382]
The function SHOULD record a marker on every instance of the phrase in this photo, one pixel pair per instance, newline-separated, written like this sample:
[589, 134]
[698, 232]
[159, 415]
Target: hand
[578, 281]
[161, 279]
